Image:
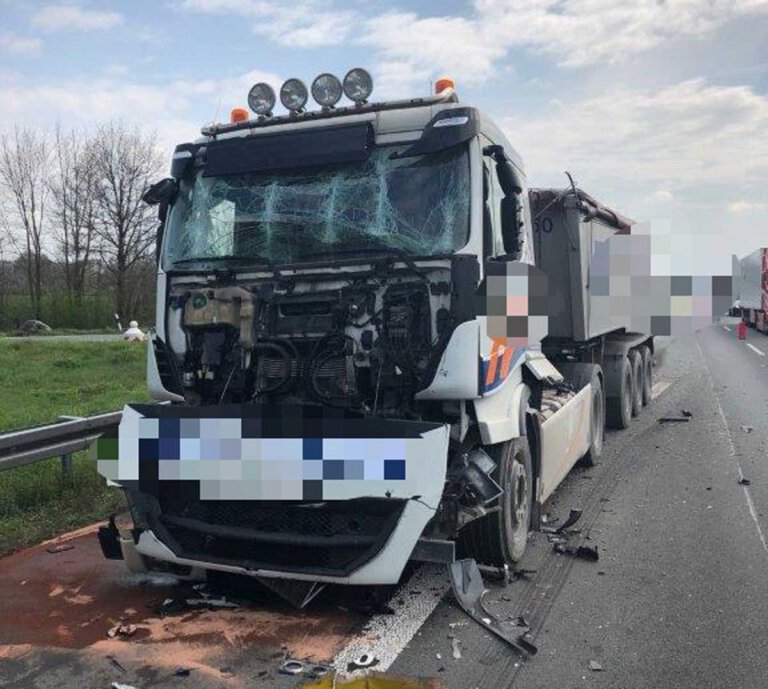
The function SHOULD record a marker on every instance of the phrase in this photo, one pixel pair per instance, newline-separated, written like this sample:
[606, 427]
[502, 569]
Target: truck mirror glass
[163, 191]
[510, 225]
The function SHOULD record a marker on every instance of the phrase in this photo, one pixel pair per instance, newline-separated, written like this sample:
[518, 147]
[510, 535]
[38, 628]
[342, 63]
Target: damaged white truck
[374, 343]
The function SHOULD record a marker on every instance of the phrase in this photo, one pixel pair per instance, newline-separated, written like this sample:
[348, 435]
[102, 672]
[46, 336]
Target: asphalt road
[679, 597]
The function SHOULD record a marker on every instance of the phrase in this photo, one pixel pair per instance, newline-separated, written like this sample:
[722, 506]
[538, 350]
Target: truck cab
[347, 370]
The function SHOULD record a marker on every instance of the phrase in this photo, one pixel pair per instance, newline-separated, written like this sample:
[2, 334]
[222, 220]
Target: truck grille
[332, 538]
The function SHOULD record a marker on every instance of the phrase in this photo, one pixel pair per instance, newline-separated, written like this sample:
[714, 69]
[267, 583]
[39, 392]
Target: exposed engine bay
[363, 339]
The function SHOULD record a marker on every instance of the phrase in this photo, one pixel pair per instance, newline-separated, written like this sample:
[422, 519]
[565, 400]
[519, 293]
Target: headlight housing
[261, 99]
[326, 90]
[358, 85]
[293, 95]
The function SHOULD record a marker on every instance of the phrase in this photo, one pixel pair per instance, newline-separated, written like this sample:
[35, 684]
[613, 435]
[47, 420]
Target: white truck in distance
[348, 369]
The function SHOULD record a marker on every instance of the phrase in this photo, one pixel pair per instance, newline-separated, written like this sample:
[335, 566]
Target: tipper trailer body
[751, 280]
[348, 367]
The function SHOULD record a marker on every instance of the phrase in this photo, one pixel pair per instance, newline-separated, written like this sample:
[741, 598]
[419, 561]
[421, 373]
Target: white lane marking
[750, 504]
[725, 327]
[754, 349]
[658, 387]
[385, 636]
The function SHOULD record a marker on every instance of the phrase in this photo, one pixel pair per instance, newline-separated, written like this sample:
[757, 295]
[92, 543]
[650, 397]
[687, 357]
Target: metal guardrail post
[66, 458]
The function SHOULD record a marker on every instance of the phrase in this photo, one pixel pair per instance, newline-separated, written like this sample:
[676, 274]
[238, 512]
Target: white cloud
[60, 17]
[661, 196]
[739, 207]
[686, 135]
[20, 45]
[307, 24]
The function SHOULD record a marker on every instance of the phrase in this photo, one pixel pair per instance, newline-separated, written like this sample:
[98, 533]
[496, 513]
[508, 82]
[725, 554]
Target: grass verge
[39, 382]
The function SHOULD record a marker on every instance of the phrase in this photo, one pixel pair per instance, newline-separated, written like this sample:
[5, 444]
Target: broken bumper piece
[291, 491]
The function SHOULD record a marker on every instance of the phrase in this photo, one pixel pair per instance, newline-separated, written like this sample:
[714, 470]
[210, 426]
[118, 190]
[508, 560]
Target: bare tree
[24, 162]
[125, 161]
[73, 188]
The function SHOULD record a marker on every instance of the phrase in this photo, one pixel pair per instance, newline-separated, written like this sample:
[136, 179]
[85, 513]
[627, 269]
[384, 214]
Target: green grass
[39, 382]
[42, 380]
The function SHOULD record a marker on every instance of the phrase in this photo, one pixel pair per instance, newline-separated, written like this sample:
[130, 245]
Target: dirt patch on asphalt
[71, 598]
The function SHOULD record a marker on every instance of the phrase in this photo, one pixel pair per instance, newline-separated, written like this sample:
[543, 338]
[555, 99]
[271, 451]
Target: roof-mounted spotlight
[261, 99]
[326, 90]
[293, 95]
[358, 85]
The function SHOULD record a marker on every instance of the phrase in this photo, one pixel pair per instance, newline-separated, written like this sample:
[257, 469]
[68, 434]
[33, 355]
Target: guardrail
[70, 434]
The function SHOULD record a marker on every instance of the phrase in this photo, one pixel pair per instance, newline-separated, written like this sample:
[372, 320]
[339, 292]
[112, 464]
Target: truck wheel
[500, 538]
[636, 362]
[618, 409]
[645, 352]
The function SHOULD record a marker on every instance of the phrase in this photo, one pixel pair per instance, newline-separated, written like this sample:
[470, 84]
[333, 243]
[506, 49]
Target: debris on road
[469, 590]
[116, 663]
[293, 666]
[121, 629]
[365, 660]
[674, 419]
[119, 685]
[582, 552]
[573, 517]
[595, 666]
[455, 643]
[60, 548]
[182, 672]
[686, 413]
[747, 429]
[744, 482]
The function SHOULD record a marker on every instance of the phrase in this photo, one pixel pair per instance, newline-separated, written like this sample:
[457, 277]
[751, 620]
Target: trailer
[751, 280]
[354, 364]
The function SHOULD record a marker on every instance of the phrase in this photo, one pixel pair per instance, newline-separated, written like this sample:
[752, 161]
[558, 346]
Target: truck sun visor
[304, 148]
[446, 129]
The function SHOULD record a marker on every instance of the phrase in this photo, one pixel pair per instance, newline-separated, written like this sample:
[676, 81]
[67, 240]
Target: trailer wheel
[636, 362]
[618, 409]
[645, 352]
[500, 538]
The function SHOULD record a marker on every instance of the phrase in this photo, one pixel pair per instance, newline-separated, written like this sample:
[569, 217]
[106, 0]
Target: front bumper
[355, 493]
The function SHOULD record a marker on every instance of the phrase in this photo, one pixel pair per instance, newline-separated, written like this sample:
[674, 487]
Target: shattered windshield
[418, 205]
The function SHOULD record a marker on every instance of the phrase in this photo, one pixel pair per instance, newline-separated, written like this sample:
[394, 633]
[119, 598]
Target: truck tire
[636, 362]
[618, 408]
[500, 538]
[581, 375]
[645, 352]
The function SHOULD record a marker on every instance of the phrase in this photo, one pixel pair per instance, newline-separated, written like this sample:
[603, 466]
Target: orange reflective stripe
[506, 360]
[494, 363]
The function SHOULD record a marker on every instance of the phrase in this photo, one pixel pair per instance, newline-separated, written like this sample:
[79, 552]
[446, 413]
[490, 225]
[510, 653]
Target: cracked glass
[418, 205]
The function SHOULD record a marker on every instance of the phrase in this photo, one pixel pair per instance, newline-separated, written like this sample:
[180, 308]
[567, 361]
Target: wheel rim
[520, 493]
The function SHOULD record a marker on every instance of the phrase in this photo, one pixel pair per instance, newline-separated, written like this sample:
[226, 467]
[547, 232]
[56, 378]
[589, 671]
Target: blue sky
[658, 107]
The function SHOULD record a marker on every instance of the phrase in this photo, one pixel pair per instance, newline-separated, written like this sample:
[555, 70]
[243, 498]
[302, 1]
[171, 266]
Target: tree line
[77, 243]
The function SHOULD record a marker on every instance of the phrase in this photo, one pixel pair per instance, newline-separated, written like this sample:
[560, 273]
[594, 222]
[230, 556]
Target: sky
[658, 108]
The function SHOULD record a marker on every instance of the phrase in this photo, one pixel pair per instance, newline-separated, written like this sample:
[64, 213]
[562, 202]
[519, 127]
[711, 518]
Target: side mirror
[163, 191]
[510, 225]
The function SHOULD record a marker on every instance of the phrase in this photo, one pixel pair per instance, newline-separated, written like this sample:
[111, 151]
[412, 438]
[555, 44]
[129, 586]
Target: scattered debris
[674, 419]
[455, 643]
[293, 666]
[583, 552]
[60, 548]
[469, 590]
[524, 573]
[747, 429]
[118, 685]
[744, 482]
[366, 660]
[686, 413]
[182, 671]
[601, 573]
[116, 663]
[226, 672]
[573, 517]
[438, 656]
[122, 629]
[520, 621]
[595, 666]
